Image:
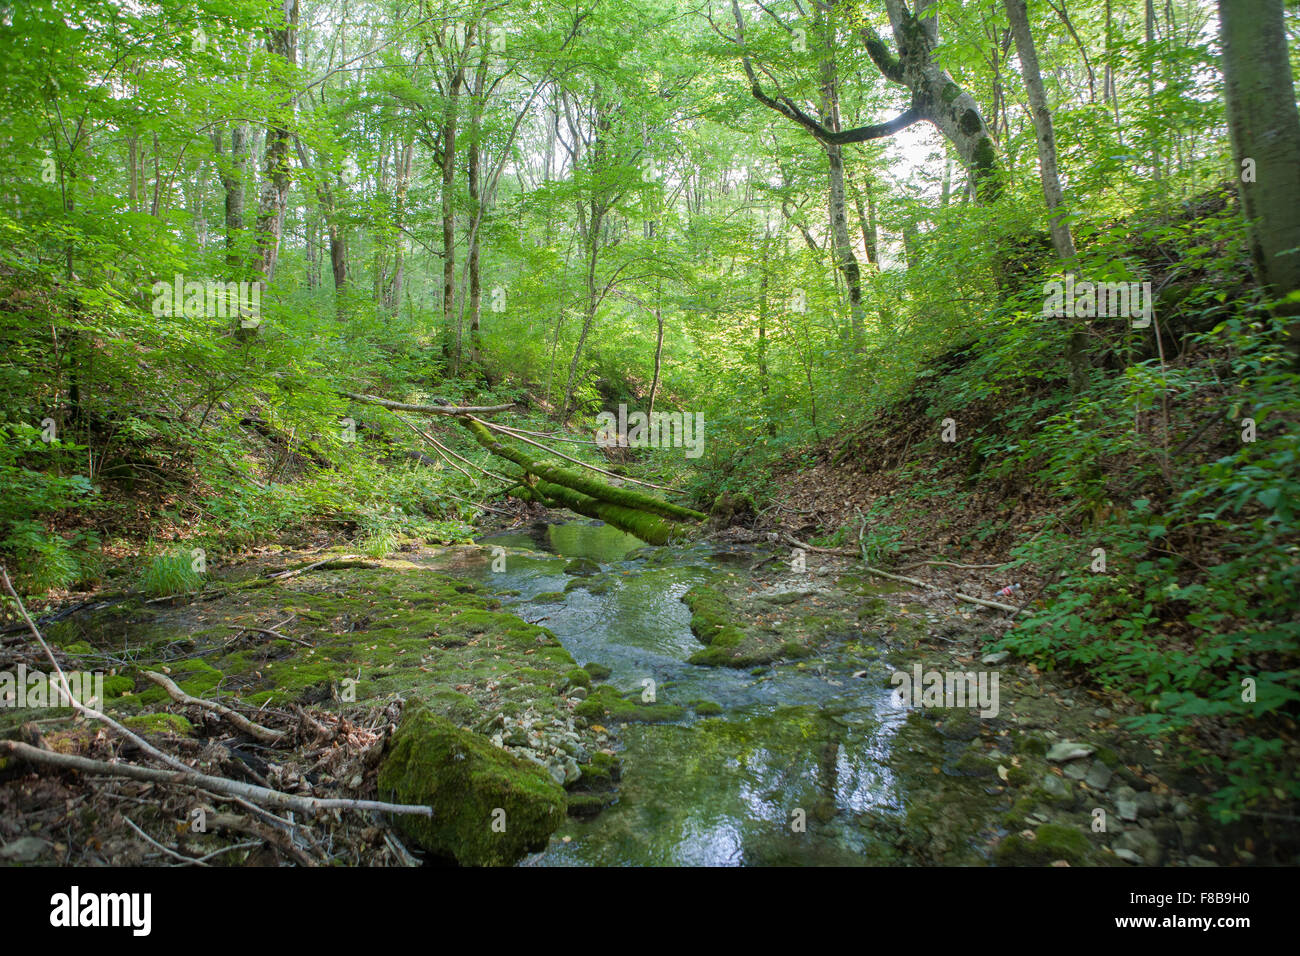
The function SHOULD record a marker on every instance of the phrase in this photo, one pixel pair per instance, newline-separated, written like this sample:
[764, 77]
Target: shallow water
[794, 744]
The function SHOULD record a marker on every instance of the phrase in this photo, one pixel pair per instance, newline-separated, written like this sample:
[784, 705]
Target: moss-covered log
[650, 528]
[575, 481]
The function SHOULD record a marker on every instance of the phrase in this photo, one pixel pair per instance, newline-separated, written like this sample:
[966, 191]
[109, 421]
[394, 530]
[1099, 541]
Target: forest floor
[1050, 779]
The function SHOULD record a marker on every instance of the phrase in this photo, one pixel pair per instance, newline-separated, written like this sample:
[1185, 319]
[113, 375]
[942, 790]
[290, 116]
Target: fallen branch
[904, 579]
[428, 409]
[264, 734]
[183, 774]
[311, 567]
[152, 842]
[270, 633]
[193, 778]
[67, 694]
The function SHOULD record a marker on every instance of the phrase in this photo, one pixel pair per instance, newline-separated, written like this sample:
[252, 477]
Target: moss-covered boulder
[605, 704]
[1051, 842]
[489, 807]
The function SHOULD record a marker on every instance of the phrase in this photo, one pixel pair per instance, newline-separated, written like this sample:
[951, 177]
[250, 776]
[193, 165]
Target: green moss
[116, 685]
[706, 708]
[976, 765]
[794, 650]
[578, 678]
[604, 703]
[603, 770]
[587, 804]
[1051, 842]
[1107, 757]
[159, 723]
[549, 597]
[582, 567]
[1031, 744]
[597, 671]
[711, 613]
[194, 676]
[489, 807]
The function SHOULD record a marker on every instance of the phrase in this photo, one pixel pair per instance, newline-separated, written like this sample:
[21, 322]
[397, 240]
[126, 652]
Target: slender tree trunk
[233, 169]
[1062, 241]
[456, 77]
[281, 42]
[477, 203]
[659, 347]
[844, 256]
[593, 301]
[764, 385]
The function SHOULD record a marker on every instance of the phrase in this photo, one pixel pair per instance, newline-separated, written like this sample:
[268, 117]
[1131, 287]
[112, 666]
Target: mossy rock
[597, 671]
[549, 597]
[706, 708]
[711, 612]
[489, 807]
[1051, 842]
[604, 703]
[603, 770]
[955, 724]
[583, 804]
[582, 567]
[598, 584]
[578, 678]
[1030, 744]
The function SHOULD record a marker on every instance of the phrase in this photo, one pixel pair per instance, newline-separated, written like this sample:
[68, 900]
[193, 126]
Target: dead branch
[264, 734]
[193, 778]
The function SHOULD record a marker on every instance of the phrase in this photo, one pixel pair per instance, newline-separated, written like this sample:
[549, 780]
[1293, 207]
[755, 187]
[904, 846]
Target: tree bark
[1265, 129]
[1062, 241]
[282, 42]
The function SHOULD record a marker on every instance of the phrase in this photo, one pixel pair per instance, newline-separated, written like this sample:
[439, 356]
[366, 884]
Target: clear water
[792, 745]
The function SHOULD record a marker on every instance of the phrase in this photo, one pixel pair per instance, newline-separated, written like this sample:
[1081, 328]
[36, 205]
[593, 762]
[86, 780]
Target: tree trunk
[455, 77]
[1265, 130]
[593, 302]
[233, 169]
[1062, 241]
[477, 203]
[281, 41]
[659, 348]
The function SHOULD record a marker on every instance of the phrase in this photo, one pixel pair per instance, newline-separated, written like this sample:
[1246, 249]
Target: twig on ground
[193, 778]
[264, 734]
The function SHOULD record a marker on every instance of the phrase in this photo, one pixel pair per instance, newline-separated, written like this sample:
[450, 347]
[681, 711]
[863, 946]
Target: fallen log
[576, 481]
[427, 409]
[651, 519]
[650, 528]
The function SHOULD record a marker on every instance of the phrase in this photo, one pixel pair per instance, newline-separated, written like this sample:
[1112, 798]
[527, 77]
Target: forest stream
[718, 790]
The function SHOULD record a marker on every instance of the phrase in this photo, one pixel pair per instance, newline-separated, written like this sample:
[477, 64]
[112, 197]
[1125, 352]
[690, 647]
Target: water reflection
[793, 743]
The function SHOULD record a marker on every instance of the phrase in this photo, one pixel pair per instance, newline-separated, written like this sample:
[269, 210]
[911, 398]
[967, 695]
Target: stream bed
[788, 768]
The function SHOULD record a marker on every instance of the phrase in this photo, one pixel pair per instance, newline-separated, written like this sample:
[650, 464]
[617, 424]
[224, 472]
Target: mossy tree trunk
[649, 518]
